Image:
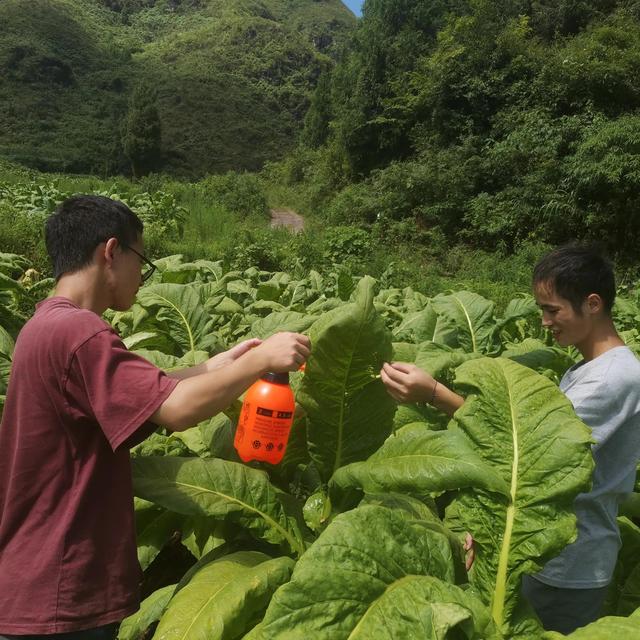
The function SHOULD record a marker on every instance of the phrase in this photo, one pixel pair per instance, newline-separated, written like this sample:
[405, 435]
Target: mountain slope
[232, 78]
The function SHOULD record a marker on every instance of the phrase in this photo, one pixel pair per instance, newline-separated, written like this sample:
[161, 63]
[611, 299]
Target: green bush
[347, 245]
[240, 193]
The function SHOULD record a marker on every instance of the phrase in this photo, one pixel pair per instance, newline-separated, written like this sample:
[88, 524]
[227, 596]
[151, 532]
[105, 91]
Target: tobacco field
[358, 533]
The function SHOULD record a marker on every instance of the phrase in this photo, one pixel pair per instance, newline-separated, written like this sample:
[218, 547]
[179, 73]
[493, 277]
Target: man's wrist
[257, 361]
[433, 393]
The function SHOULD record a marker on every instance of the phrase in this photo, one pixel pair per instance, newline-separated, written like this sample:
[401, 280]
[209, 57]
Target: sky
[355, 6]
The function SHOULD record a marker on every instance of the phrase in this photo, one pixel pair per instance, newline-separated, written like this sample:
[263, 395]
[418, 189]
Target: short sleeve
[606, 400]
[116, 388]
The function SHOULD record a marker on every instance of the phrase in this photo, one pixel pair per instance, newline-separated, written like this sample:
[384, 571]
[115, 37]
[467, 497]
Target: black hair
[576, 271]
[80, 224]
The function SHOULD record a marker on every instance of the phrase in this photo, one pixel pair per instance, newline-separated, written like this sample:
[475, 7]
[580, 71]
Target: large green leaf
[404, 351]
[536, 355]
[410, 413]
[420, 326]
[608, 628]
[281, 321]
[467, 322]
[202, 535]
[440, 361]
[526, 430]
[225, 598]
[5, 372]
[357, 561]
[210, 438]
[218, 488]
[297, 451]
[427, 608]
[155, 527]
[520, 316]
[416, 459]
[624, 591]
[349, 412]
[6, 342]
[151, 608]
[177, 308]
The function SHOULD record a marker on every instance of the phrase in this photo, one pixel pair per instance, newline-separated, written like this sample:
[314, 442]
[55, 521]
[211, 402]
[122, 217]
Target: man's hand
[200, 395]
[227, 357]
[406, 382]
[284, 352]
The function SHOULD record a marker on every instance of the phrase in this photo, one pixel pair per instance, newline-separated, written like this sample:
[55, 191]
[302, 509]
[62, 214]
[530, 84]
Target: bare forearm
[189, 372]
[198, 397]
[446, 400]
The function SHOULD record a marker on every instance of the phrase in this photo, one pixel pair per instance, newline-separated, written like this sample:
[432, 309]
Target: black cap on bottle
[278, 378]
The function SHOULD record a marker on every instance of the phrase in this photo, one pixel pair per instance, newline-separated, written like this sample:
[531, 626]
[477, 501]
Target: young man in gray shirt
[575, 289]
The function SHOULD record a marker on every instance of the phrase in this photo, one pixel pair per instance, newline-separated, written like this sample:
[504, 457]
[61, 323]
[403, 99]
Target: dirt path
[287, 218]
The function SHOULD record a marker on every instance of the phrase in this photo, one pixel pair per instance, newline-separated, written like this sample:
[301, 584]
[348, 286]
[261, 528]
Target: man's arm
[203, 395]
[408, 383]
[216, 362]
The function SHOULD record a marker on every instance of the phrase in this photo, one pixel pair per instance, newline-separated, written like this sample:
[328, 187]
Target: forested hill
[488, 122]
[182, 86]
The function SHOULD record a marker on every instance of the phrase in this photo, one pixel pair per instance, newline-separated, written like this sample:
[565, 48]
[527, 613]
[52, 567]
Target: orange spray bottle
[265, 419]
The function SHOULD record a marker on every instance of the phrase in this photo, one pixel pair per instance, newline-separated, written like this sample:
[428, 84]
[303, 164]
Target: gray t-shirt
[605, 393]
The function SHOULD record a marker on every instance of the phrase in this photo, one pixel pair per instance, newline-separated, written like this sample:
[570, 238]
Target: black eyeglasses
[147, 273]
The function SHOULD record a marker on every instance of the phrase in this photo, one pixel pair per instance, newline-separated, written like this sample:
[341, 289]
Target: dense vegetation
[483, 122]
[225, 218]
[357, 533]
[183, 86]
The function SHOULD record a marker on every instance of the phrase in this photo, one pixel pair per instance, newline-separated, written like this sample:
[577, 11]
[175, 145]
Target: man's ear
[107, 252]
[594, 303]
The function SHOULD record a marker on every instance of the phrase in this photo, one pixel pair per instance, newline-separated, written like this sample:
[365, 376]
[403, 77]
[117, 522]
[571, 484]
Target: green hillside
[485, 123]
[228, 81]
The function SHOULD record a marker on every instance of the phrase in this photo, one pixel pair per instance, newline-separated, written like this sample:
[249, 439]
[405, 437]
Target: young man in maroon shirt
[77, 400]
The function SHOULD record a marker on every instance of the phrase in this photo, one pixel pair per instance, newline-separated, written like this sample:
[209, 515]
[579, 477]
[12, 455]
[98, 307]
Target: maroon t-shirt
[76, 400]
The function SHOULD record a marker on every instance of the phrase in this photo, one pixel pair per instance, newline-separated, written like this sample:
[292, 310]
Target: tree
[142, 131]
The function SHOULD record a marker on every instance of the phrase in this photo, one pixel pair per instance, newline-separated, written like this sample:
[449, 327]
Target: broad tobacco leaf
[606, 628]
[424, 325]
[466, 322]
[281, 321]
[222, 489]
[533, 353]
[6, 342]
[151, 608]
[203, 535]
[520, 316]
[178, 310]
[526, 430]
[212, 438]
[348, 410]
[362, 579]
[418, 460]
[428, 608]
[404, 351]
[225, 598]
[440, 361]
[155, 527]
[624, 591]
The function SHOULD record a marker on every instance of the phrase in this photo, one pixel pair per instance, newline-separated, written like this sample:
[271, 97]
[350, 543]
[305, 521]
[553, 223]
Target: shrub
[240, 193]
